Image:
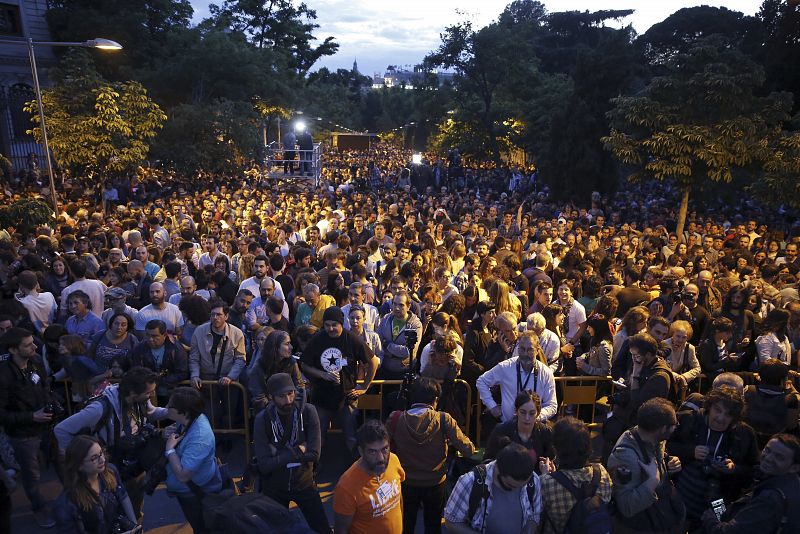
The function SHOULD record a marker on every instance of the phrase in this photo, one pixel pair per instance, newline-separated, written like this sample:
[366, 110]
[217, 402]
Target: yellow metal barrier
[212, 386]
[581, 391]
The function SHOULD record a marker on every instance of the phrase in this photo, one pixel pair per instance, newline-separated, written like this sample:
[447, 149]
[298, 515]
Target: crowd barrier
[212, 387]
[577, 391]
[376, 401]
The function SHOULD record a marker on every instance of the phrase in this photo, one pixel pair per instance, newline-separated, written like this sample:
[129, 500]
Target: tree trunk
[682, 213]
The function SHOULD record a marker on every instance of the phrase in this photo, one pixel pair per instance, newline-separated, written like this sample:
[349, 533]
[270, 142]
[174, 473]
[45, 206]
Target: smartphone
[718, 506]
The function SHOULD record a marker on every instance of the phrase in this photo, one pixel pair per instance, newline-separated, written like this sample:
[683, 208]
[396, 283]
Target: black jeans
[432, 500]
[26, 451]
[192, 508]
[308, 501]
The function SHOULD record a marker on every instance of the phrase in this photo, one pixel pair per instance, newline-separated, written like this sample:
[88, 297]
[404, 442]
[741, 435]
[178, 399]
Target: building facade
[21, 19]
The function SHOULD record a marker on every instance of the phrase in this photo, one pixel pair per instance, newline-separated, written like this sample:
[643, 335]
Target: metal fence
[15, 143]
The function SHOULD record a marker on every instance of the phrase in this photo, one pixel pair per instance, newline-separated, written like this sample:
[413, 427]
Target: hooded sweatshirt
[421, 436]
[93, 412]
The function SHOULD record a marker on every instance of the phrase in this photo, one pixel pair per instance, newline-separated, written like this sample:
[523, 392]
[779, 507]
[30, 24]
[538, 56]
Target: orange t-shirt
[376, 503]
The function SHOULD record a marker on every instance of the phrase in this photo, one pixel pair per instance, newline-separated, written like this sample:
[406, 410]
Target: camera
[711, 463]
[54, 408]
[677, 297]
[140, 452]
[129, 445]
[122, 524]
[411, 338]
[155, 476]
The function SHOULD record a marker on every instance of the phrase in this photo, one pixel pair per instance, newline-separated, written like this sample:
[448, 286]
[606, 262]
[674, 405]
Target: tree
[681, 30]
[218, 136]
[781, 47]
[592, 63]
[95, 123]
[282, 25]
[485, 61]
[25, 215]
[145, 28]
[702, 121]
[521, 12]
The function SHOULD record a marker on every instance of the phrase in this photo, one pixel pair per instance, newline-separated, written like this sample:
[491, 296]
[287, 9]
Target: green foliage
[145, 28]
[25, 215]
[94, 123]
[6, 168]
[780, 22]
[679, 32]
[218, 136]
[702, 121]
[779, 184]
[284, 26]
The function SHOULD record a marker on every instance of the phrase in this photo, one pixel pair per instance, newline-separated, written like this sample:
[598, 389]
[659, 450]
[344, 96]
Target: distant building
[405, 76]
[21, 19]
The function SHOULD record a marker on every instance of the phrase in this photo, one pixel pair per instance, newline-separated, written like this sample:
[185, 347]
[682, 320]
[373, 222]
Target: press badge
[35, 378]
[385, 491]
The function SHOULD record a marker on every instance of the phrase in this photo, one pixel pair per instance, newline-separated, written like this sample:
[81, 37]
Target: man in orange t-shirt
[368, 499]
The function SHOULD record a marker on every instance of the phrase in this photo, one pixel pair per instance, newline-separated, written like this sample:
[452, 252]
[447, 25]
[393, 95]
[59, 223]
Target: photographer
[394, 330]
[718, 452]
[94, 499]
[287, 445]
[121, 419]
[330, 361]
[191, 467]
[25, 411]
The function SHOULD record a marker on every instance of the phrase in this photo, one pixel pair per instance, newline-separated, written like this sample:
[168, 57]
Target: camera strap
[219, 356]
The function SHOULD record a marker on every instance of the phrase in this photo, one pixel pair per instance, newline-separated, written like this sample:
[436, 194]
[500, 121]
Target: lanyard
[719, 441]
[523, 386]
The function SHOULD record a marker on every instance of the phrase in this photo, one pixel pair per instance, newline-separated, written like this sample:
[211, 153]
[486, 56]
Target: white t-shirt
[577, 316]
[41, 307]
[171, 316]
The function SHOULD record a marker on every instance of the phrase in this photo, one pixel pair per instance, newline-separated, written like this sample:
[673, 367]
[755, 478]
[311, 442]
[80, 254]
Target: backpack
[766, 413]
[250, 512]
[103, 421]
[480, 492]
[589, 515]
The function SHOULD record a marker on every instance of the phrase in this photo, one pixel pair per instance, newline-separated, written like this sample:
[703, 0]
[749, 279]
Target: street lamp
[102, 44]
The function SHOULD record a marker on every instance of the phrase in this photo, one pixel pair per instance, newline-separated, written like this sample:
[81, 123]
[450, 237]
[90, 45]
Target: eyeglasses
[96, 457]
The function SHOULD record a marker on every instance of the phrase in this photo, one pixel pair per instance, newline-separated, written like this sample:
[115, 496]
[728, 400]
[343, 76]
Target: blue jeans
[346, 416]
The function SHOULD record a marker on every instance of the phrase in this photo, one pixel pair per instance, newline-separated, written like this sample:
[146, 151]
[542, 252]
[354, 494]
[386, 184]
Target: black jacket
[694, 484]
[771, 502]
[272, 455]
[654, 381]
[174, 366]
[21, 394]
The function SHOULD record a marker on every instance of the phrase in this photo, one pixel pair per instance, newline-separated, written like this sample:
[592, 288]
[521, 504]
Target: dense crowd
[153, 296]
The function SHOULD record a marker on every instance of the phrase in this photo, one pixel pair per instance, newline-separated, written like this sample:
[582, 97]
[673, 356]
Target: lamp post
[102, 44]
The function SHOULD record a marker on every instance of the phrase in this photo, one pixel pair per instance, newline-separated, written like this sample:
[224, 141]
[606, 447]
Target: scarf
[278, 432]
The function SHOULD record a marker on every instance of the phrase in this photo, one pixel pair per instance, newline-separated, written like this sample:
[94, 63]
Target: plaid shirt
[458, 503]
[558, 501]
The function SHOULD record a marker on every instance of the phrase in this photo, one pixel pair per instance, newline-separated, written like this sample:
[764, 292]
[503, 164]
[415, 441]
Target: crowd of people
[127, 326]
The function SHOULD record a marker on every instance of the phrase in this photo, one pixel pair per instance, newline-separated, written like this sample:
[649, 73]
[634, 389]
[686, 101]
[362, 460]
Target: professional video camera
[411, 342]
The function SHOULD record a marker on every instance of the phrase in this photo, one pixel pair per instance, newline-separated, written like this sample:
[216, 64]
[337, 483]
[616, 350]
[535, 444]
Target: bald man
[159, 308]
